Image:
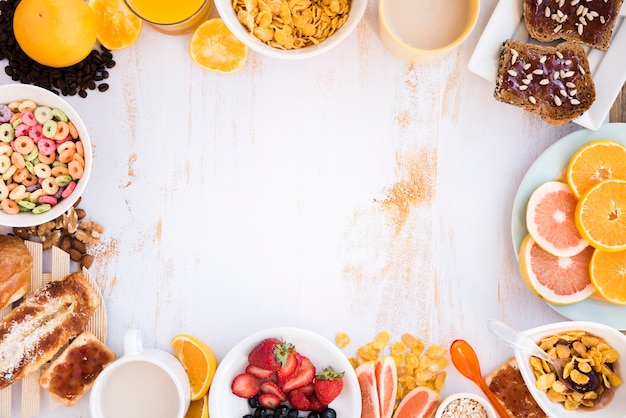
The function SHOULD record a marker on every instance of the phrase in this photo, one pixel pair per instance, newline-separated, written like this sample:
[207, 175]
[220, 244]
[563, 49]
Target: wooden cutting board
[31, 392]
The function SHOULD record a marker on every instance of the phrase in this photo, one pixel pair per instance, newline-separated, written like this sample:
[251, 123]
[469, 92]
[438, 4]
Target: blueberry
[313, 415]
[293, 413]
[248, 416]
[260, 413]
[281, 411]
[254, 401]
[328, 413]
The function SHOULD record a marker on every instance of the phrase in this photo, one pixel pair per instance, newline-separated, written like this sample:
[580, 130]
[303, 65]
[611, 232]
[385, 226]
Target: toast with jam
[553, 82]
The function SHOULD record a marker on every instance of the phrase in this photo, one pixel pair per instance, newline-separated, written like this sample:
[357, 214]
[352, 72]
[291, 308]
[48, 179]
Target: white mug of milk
[148, 383]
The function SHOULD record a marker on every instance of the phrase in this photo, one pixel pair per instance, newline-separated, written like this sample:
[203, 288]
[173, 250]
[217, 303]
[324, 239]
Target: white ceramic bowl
[491, 413]
[19, 92]
[228, 15]
[323, 353]
[617, 405]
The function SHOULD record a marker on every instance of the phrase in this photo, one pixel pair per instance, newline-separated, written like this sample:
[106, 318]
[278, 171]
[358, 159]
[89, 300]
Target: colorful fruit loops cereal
[417, 366]
[41, 157]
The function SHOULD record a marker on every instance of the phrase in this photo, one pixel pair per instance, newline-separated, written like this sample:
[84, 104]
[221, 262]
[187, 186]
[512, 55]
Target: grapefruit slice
[421, 402]
[386, 374]
[550, 219]
[369, 393]
[557, 280]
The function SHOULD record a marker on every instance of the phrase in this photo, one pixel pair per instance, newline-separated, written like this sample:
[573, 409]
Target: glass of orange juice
[172, 17]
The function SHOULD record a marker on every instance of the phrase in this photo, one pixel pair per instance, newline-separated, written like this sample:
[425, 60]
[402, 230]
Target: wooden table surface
[349, 192]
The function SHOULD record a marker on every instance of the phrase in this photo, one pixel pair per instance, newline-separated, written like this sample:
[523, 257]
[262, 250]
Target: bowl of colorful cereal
[45, 156]
[291, 30]
[592, 379]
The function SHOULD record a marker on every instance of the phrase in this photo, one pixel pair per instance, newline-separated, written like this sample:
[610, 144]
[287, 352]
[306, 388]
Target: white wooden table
[349, 192]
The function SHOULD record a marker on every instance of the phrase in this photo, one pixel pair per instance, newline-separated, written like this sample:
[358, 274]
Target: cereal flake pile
[417, 365]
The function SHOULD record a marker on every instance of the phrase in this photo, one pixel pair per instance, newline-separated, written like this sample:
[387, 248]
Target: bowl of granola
[294, 29]
[591, 383]
[45, 156]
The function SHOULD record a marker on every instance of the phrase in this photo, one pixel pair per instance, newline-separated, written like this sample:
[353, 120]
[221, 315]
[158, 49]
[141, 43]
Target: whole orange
[56, 33]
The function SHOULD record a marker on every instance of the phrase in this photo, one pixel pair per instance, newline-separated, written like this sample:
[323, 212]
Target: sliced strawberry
[307, 389]
[304, 374]
[315, 403]
[259, 372]
[281, 377]
[269, 401]
[245, 385]
[328, 385]
[298, 400]
[289, 365]
[270, 386]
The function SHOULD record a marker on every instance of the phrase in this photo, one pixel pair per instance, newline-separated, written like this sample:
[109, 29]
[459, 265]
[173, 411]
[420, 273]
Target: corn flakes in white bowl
[611, 404]
[291, 29]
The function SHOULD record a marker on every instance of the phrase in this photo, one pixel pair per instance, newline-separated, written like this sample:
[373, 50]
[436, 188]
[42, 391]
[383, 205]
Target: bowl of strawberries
[288, 372]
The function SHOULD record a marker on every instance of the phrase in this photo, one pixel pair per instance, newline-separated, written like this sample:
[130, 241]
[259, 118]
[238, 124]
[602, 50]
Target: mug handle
[132, 342]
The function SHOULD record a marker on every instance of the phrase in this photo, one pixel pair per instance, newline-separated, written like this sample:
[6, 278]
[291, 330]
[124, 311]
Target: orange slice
[550, 219]
[601, 215]
[199, 363]
[119, 26]
[608, 275]
[594, 162]
[557, 280]
[213, 47]
[198, 408]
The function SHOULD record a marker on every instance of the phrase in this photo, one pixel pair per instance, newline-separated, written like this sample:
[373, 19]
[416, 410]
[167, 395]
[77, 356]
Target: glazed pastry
[32, 333]
[73, 373]
[15, 266]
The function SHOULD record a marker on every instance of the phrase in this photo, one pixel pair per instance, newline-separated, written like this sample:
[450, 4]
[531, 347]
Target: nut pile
[417, 365]
[588, 372]
[71, 232]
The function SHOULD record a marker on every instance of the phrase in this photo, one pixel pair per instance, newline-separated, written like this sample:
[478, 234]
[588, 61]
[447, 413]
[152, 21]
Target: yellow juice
[166, 12]
[173, 17]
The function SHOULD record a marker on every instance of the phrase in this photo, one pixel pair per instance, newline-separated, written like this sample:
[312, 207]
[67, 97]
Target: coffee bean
[68, 81]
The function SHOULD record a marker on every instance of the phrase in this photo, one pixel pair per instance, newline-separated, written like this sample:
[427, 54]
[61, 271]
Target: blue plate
[551, 165]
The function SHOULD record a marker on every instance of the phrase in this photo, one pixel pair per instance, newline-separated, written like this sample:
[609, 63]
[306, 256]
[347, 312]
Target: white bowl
[615, 407]
[228, 15]
[491, 413]
[323, 353]
[19, 92]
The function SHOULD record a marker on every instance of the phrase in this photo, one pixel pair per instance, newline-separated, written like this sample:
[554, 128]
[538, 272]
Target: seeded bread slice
[590, 22]
[552, 82]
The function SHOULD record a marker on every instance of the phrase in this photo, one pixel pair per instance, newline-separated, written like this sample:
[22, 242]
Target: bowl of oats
[295, 29]
[591, 381]
[45, 156]
[465, 405]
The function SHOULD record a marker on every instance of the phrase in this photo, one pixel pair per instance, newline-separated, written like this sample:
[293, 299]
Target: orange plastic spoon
[465, 360]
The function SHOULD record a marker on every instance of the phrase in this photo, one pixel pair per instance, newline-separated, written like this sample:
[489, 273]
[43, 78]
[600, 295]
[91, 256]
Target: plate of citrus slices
[569, 225]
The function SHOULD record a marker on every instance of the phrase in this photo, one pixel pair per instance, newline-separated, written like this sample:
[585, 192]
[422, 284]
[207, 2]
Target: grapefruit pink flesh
[550, 219]
[558, 280]
[386, 374]
[420, 402]
[370, 407]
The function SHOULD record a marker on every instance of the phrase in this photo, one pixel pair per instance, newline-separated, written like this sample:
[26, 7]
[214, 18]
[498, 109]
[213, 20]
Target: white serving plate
[323, 353]
[608, 67]
[550, 166]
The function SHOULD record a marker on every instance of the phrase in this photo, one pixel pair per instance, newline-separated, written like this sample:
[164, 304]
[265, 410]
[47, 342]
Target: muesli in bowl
[590, 382]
